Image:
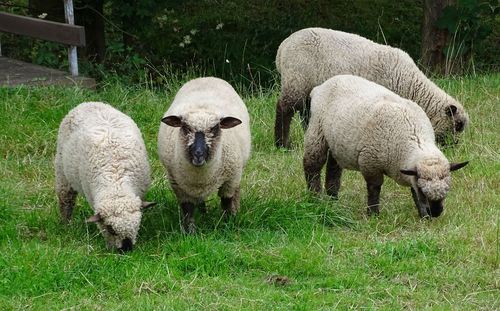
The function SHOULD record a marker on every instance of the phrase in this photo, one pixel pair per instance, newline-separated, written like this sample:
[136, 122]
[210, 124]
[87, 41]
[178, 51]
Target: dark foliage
[236, 40]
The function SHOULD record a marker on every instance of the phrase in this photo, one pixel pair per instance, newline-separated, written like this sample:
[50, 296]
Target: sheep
[101, 154]
[359, 125]
[310, 56]
[204, 143]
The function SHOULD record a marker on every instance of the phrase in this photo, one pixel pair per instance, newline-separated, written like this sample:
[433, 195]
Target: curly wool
[202, 103]
[434, 177]
[123, 213]
[101, 154]
[370, 129]
[310, 56]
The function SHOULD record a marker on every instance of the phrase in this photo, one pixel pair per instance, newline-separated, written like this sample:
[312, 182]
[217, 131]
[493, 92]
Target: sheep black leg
[420, 203]
[333, 175]
[231, 205]
[315, 154]
[313, 163]
[305, 113]
[284, 115]
[67, 198]
[374, 185]
[188, 225]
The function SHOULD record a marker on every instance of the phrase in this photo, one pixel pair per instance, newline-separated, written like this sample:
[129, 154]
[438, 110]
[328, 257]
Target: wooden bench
[13, 72]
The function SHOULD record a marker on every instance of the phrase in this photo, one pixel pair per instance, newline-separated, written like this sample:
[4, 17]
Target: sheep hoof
[286, 147]
[65, 221]
[228, 214]
[373, 211]
[189, 228]
[333, 196]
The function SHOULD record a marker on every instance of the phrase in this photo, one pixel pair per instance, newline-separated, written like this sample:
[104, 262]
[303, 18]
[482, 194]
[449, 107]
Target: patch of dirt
[279, 280]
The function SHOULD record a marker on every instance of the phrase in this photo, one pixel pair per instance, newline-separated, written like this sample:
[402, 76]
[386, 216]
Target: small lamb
[101, 154]
[360, 125]
[310, 56]
[204, 143]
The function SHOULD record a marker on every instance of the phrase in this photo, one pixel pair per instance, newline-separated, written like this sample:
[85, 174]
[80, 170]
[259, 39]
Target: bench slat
[42, 29]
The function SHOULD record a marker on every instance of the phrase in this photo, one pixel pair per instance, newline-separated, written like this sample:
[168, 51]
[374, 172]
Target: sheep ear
[451, 110]
[173, 121]
[146, 205]
[229, 122]
[94, 218]
[409, 172]
[457, 166]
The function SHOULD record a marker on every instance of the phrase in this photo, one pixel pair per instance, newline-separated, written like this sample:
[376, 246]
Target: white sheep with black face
[204, 143]
[359, 125]
[101, 154]
[311, 56]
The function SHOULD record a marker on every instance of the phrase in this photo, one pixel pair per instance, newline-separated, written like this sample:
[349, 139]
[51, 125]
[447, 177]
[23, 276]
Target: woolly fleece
[101, 154]
[310, 56]
[370, 129]
[202, 103]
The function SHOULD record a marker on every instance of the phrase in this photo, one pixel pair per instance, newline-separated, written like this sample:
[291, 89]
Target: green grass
[285, 250]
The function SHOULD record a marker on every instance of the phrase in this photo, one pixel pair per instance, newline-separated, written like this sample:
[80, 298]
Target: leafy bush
[237, 40]
[470, 22]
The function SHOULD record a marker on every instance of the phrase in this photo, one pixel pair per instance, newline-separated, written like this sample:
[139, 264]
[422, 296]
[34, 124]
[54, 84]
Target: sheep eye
[110, 230]
[215, 130]
[185, 129]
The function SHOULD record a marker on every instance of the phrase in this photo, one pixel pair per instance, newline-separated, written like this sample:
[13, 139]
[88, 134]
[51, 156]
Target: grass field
[285, 250]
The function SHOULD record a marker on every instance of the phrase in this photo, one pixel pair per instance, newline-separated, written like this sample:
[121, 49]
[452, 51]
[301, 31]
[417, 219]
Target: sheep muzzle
[435, 208]
[127, 245]
[199, 150]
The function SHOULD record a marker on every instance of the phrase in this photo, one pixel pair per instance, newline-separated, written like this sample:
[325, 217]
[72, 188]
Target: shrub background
[236, 40]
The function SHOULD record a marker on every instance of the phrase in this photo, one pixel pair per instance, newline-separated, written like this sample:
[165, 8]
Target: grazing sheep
[204, 143]
[360, 125]
[101, 154]
[310, 56]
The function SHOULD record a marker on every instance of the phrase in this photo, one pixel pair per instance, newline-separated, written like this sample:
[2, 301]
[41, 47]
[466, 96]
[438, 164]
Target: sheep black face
[198, 150]
[454, 122]
[200, 136]
[118, 225]
[431, 184]
[435, 208]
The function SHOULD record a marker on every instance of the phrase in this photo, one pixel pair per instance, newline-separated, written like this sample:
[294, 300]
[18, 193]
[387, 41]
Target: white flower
[227, 60]
[194, 31]
[187, 39]
[42, 16]
[181, 44]
[219, 26]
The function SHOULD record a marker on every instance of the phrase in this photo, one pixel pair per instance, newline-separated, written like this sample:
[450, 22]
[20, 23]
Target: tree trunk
[434, 40]
[91, 17]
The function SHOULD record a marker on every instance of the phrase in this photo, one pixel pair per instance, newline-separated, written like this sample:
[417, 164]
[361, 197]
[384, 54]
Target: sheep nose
[436, 208]
[198, 153]
[459, 126]
[126, 245]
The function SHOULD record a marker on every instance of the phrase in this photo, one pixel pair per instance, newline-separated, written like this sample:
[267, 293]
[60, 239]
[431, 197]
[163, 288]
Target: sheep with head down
[359, 125]
[204, 143]
[101, 155]
[311, 56]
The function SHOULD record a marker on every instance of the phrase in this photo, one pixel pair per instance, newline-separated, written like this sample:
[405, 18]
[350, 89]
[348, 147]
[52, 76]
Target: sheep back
[367, 127]
[99, 147]
[310, 56]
